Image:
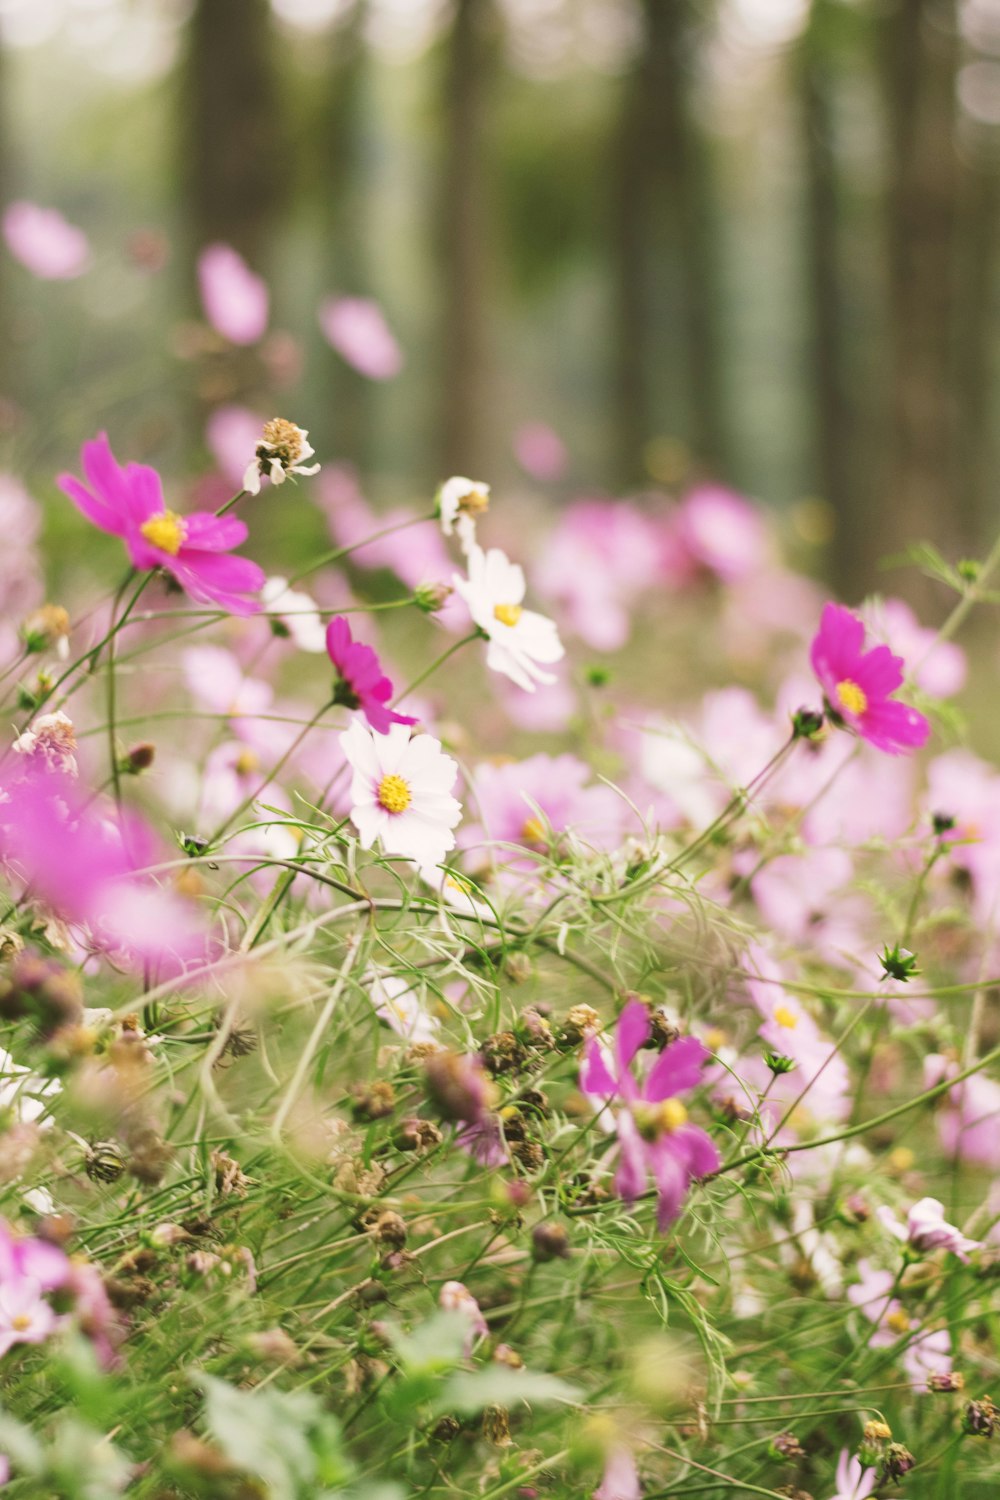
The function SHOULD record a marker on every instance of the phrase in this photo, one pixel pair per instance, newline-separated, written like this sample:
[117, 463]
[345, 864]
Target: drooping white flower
[401, 792]
[399, 1006]
[519, 639]
[281, 450]
[460, 501]
[295, 613]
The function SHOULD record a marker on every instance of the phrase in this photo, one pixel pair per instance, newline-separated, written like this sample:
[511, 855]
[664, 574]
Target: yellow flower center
[20, 1323]
[853, 699]
[507, 614]
[671, 1115]
[715, 1038]
[247, 761]
[899, 1321]
[165, 531]
[533, 831]
[394, 794]
[786, 1017]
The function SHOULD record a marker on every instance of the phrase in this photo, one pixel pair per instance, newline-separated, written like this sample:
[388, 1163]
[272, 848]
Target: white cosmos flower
[281, 450]
[456, 891]
[398, 1005]
[24, 1093]
[401, 792]
[296, 612]
[460, 501]
[519, 638]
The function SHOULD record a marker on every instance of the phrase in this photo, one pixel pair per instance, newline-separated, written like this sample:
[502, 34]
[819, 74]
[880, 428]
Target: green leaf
[499, 1385]
[434, 1346]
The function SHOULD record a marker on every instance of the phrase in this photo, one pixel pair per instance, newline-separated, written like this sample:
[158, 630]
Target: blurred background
[614, 245]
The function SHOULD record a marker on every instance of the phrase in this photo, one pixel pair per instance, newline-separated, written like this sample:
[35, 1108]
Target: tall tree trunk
[832, 417]
[232, 143]
[665, 244]
[976, 361]
[463, 235]
[919, 68]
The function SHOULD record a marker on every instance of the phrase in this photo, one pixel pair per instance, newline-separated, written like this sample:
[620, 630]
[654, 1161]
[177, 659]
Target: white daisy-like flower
[295, 613]
[24, 1093]
[459, 502]
[399, 1006]
[519, 639]
[456, 891]
[401, 792]
[281, 450]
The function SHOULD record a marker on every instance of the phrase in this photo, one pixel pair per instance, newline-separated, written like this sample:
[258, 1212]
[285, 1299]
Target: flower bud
[138, 758]
[430, 597]
[549, 1241]
[946, 1381]
[785, 1445]
[898, 1461]
[979, 1419]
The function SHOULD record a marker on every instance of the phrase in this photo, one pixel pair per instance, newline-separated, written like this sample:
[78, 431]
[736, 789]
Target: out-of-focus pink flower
[927, 1229]
[722, 532]
[853, 1482]
[540, 451]
[937, 667]
[235, 300]
[357, 329]
[85, 863]
[454, 1296]
[231, 433]
[965, 789]
[361, 682]
[195, 549]
[654, 1136]
[599, 558]
[821, 1075]
[621, 1477]
[858, 685]
[968, 1125]
[533, 803]
[25, 1316]
[41, 239]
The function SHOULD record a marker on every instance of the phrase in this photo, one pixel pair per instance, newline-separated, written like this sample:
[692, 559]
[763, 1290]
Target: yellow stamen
[394, 794]
[165, 531]
[671, 1115]
[852, 698]
[247, 761]
[715, 1038]
[507, 614]
[786, 1017]
[533, 831]
[20, 1323]
[899, 1321]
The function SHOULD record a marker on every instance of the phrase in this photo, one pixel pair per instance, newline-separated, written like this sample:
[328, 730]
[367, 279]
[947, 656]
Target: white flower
[50, 743]
[401, 792]
[456, 891]
[280, 451]
[400, 1008]
[519, 638]
[460, 501]
[927, 1229]
[296, 613]
[24, 1093]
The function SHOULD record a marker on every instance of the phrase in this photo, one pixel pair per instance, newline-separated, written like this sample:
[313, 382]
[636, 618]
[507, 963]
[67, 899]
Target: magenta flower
[41, 239]
[858, 685]
[362, 684]
[234, 299]
[653, 1134]
[194, 549]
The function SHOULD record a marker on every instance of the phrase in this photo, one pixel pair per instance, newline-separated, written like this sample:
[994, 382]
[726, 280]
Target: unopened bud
[430, 597]
[138, 758]
[549, 1241]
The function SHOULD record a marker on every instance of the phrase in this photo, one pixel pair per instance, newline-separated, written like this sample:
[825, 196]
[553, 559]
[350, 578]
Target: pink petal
[677, 1069]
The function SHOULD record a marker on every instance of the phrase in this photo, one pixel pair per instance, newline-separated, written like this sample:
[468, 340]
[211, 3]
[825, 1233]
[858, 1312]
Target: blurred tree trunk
[919, 63]
[832, 416]
[341, 188]
[976, 351]
[234, 168]
[665, 242]
[463, 232]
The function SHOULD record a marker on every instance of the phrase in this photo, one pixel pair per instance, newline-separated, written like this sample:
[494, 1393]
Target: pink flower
[362, 685]
[926, 1229]
[722, 532]
[540, 451]
[600, 556]
[231, 433]
[25, 1317]
[858, 685]
[234, 299]
[357, 329]
[534, 802]
[853, 1482]
[455, 1297]
[653, 1134]
[24, 1257]
[938, 667]
[621, 1477]
[194, 549]
[41, 239]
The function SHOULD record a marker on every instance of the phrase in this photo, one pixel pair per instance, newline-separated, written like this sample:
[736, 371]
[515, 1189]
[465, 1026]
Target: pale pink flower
[454, 1296]
[853, 1481]
[41, 239]
[534, 803]
[926, 1229]
[621, 1477]
[232, 432]
[540, 451]
[599, 558]
[722, 532]
[236, 302]
[937, 667]
[25, 1316]
[357, 329]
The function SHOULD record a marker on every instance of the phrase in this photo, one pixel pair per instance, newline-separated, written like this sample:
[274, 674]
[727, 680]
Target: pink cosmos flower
[23, 1257]
[231, 433]
[937, 667]
[534, 802]
[234, 299]
[858, 685]
[41, 239]
[540, 451]
[722, 532]
[456, 1297]
[620, 1480]
[362, 683]
[357, 329]
[598, 559]
[653, 1134]
[853, 1481]
[25, 1316]
[194, 549]
[926, 1229]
